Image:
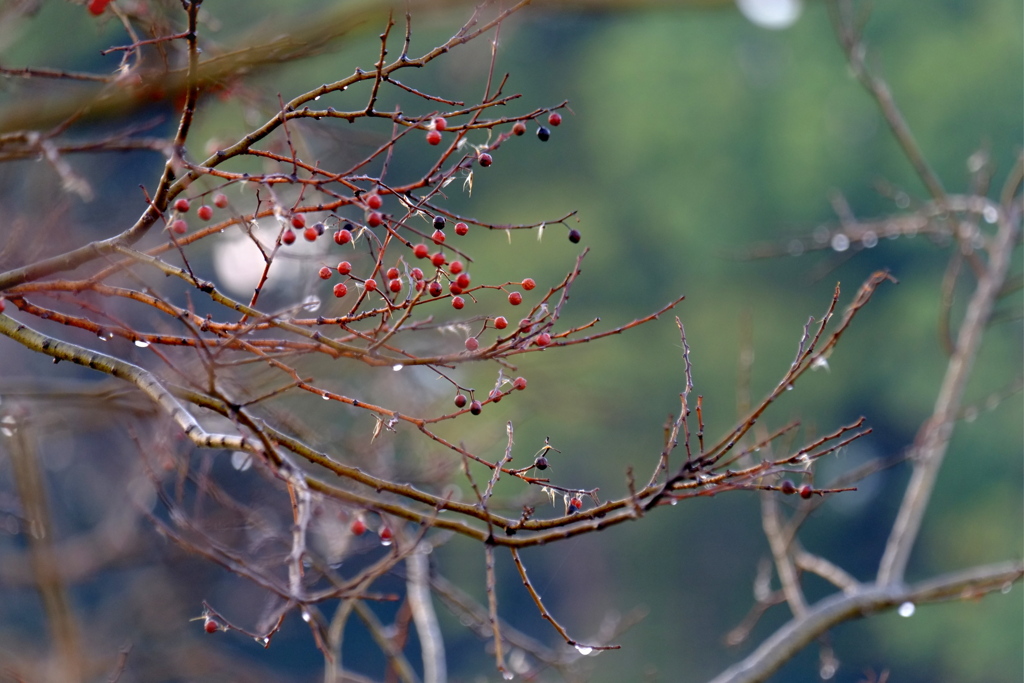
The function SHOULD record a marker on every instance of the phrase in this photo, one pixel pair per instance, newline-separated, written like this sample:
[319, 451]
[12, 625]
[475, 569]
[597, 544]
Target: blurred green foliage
[694, 135]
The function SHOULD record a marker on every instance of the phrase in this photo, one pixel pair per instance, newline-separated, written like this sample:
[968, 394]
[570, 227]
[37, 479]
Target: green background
[693, 134]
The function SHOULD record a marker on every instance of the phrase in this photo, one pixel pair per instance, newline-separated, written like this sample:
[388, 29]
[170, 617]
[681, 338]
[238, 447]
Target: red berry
[370, 285]
[438, 237]
[485, 159]
[299, 220]
[419, 285]
[519, 383]
[434, 288]
[458, 302]
[574, 236]
[455, 267]
[806, 491]
[529, 284]
[416, 273]
[220, 200]
[344, 268]
[438, 259]
[374, 219]
[519, 128]
[96, 8]
[392, 273]
[525, 325]
[433, 138]
[501, 322]
[463, 280]
[374, 201]
[179, 226]
[461, 229]
[288, 237]
[181, 205]
[2, 305]
[421, 251]
[210, 625]
[205, 212]
[543, 339]
[385, 533]
[310, 234]
[515, 298]
[472, 344]
[454, 289]
[358, 527]
[476, 407]
[343, 236]
[325, 273]
[340, 290]
[554, 118]
[460, 401]
[395, 285]
[787, 487]
[440, 123]
[495, 395]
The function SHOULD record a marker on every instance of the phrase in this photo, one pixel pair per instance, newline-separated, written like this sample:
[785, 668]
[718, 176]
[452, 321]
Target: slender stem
[145, 381]
[934, 437]
[46, 570]
[870, 599]
[423, 615]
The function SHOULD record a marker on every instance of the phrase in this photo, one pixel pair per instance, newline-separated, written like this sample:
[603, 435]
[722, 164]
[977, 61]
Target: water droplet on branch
[241, 461]
[840, 242]
[311, 303]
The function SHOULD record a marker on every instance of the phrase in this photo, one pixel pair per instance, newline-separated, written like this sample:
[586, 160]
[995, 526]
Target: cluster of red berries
[439, 124]
[449, 273]
[358, 528]
[205, 212]
[309, 233]
[543, 132]
[476, 407]
[789, 488]
[342, 236]
[392, 275]
[434, 134]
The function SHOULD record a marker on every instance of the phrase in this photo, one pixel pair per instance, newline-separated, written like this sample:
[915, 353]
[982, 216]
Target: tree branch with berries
[268, 316]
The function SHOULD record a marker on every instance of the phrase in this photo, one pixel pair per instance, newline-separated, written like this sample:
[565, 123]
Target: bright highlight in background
[773, 14]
